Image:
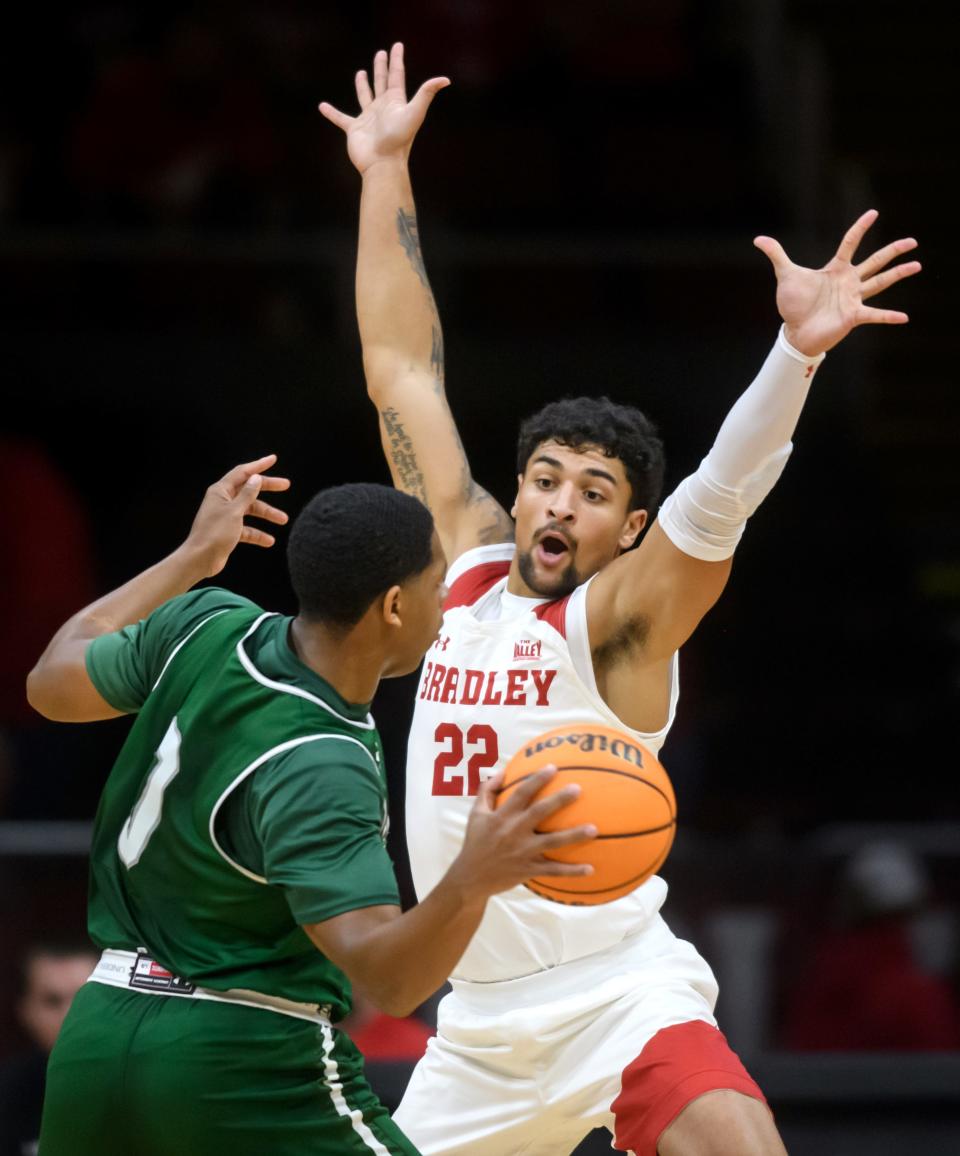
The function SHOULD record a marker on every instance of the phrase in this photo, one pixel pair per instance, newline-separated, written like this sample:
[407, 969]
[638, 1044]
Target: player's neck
[350, 667]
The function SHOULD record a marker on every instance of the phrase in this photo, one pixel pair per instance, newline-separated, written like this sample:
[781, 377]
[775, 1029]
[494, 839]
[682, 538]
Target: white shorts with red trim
[532, 1065]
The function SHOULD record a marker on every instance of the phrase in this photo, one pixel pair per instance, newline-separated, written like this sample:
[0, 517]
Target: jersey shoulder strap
[476, 572]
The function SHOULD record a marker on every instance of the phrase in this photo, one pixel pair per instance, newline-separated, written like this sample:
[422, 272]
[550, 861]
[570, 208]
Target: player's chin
[404, 665]
[553, 582]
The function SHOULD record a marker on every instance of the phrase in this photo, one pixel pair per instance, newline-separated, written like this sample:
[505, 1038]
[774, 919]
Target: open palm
[819, 307]
[387, 122]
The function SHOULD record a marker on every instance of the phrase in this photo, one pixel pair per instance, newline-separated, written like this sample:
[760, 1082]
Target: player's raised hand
[220, 524]
[819, 307]
[503, 846]
[387, 122]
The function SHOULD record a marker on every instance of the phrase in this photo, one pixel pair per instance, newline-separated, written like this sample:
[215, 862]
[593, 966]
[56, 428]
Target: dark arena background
[177, 232]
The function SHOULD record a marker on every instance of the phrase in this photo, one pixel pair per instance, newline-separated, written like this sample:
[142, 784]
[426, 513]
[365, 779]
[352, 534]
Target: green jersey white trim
[186, 638]
[248, 665]
[258, 762]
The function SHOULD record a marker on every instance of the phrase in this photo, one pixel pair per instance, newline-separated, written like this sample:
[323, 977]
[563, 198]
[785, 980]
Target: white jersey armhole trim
[277, 750]
[248, 665]
[498, 552]
[186, 638]
[578, 643]
[578, 638]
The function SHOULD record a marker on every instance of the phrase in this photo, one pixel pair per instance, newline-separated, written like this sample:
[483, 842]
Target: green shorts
[134, 1074]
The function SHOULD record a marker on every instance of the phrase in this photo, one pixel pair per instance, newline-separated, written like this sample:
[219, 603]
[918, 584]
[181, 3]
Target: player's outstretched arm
[681, 567]
[399, 960]
[399, 324]
[59, 686]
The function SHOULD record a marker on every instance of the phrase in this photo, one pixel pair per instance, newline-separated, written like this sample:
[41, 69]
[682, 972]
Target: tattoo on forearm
[404, 460]
[436, 351]
[499, 527]
[409, 234]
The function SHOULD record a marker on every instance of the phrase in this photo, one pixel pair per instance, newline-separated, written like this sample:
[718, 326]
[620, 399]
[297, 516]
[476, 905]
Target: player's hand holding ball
[507, 843]
[624, 792]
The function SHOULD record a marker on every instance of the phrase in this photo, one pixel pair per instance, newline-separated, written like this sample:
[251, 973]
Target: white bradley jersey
[504, 670]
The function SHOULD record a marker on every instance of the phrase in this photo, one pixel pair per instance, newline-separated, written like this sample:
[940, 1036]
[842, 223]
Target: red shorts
[676, 1066]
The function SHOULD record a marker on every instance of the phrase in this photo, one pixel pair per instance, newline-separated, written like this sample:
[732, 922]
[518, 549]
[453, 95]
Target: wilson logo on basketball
[590, 741]
[526, 648]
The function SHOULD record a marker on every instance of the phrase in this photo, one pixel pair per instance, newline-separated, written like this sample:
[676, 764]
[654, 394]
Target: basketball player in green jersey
[239, 875]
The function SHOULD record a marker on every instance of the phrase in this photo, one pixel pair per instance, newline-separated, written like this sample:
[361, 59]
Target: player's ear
[390, 607]
[513, 508]
[635, 522]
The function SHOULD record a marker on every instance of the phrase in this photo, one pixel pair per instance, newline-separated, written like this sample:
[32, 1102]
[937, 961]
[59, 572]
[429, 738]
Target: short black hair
[620, 431]
[350, 544]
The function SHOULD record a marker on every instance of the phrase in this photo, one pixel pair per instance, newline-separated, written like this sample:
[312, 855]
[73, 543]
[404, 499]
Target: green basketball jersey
[248, 799]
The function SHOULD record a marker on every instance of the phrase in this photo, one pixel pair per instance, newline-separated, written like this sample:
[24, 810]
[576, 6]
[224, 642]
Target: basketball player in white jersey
[564, 1018]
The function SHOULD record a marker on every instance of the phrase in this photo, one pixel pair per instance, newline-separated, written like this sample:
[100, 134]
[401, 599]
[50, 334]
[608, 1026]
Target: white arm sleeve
[706, 514]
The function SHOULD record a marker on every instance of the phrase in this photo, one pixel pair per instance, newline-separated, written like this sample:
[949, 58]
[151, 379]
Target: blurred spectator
[179, 136]
[864, 988]
[383, 1037]
[51, 974]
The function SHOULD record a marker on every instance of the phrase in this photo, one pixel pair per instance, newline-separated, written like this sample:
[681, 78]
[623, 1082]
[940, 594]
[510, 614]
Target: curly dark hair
[350, 544]
[620, 431]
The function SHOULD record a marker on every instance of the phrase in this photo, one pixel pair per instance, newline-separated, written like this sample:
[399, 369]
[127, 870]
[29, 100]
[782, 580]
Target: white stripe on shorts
[332, 1080]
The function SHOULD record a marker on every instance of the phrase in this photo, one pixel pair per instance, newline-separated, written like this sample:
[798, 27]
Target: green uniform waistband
[139, 971]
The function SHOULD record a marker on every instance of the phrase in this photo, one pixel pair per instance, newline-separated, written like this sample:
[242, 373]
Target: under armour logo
[441, 643]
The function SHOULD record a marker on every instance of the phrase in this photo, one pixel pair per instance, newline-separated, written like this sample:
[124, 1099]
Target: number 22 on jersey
[480, 746]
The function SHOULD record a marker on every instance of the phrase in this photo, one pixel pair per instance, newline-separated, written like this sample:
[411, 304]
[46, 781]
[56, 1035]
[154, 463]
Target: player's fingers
[554, 867]
[525, 788]
[246, 494]
[774, 253]
[380, 73]
[269, 513]
[569, 836]
[874, 285]
[428, 90]
[252, 536]
[334, 115]
[425, 95]
[274, 484]
[543, 808]
[867, 315]
[494, 782]
[854, 235]
[487, 794]
[239, 475]
[396, 74]
[362, 84]
[884, 256]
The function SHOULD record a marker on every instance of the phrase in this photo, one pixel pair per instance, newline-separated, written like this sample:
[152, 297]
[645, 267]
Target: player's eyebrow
[598, 473]
[593, 471]
[547, 461]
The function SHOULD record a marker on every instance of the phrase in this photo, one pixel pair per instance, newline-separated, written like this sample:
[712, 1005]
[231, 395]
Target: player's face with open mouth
[572, 514]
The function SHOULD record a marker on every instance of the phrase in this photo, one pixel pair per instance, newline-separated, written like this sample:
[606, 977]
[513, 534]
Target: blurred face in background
[51, 982]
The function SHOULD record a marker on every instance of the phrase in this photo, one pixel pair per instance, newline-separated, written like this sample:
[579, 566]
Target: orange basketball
[625, 793]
